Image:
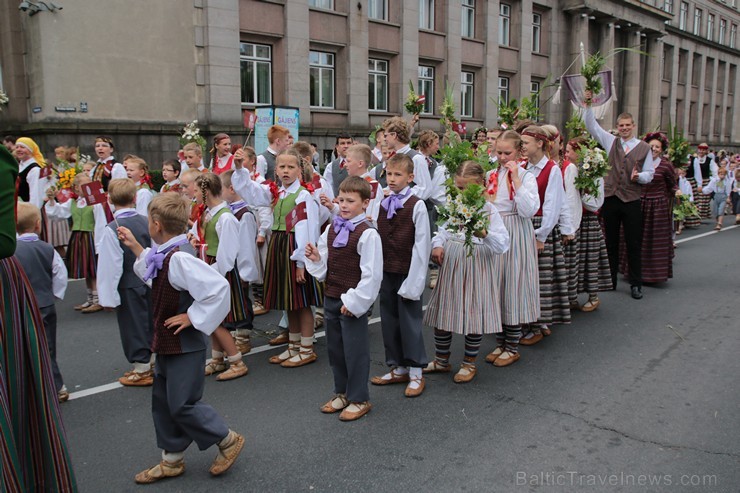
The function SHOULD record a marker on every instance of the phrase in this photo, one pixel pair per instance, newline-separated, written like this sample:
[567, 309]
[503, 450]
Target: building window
[504, 24]
[426, 87]
[322, 4]
[722, 30]
[426, 14]
[710, 27]
[697, 22]
[256, 73]
[466, 89]
[322, 79]
[535, 90]
[668, 6]
[377, 9]
[468, 18]
[536, 32]
[503, 90]
[733, 35]
[378, 85]
[683, 15]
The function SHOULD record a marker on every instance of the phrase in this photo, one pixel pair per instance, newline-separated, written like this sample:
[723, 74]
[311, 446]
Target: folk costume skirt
[240, 311]
[694, 221]
[81, 260]
[466, 298]
[520, 277]
[657, 241]
[594, 274]
[554, 302]
[282, 291]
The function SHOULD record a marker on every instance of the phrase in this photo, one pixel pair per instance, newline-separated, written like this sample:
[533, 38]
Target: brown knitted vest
[343, 265]
[398, 235]
[619, 179]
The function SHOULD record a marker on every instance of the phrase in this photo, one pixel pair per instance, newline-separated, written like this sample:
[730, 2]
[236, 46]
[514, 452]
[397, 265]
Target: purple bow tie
[155, 259]
[393, 202]
[342, 227]
[236, 206]
[127, 214]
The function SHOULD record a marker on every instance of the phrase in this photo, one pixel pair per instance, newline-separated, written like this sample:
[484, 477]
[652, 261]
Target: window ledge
[540, 54]
[328, 11]
[507, 47]
[432, 31]
[318, 109]
[383, 22]
[474, 40]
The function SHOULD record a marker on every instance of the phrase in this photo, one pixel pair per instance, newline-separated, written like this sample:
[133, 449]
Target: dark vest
[412, 154]
[37, 257]
[338, 174]
[619, 179]
[380, 176]
[168, 302]
[270, 171]
[432, 168]
[24, 191]
[542, 180]
[706, 170]
[100, 174]
[139, 226]
[343, 264]
[398, 235]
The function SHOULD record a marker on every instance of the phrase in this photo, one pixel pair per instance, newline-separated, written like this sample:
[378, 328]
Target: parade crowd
[231, 237]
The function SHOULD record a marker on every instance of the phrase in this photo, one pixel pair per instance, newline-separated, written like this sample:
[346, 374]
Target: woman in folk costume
[657, 217]
[593, 260]
[31, 185]
[701, 169]
[221, 157]
[33, 450]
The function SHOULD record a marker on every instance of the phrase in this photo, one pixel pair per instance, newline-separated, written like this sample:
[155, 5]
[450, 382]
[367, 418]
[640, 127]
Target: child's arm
[253, 193]
[593, 203]
[422, 179]
[571, 199]
[438, 244]
[227, 229]
[711, 186]
[110, 269]
[209, 289]
[248, 256]
[305, 231]
[55, 210]
[357, 301]
[413, 287]
[317, 256]
[266, 218]
[58, 276]
[550, 209]
[439, 193]
[526, 195]
[101, 221]
[143, 197]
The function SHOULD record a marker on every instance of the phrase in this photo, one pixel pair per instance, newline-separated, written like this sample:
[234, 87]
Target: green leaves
[590, 72]
[678, 146]
[453, 155]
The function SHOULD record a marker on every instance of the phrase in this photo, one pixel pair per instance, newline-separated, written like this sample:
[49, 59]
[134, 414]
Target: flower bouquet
[678, 147]
[463, 212]
[592, 165]
[191, 133]
[447, 108]
[684, 208]
[3, 99]
[414, 103]
[590, 72]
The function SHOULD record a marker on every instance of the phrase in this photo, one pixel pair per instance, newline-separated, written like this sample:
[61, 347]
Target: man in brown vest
[631, 167]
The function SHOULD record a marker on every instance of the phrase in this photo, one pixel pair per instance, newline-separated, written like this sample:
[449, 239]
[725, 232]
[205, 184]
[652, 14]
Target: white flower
[586, 166]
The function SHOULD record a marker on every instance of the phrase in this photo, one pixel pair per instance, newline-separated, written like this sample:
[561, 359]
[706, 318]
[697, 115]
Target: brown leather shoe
[465, 374]
[394, 378]
[355, 410]
[243, 344]
[259, 309]
[415, 392]
[301, 359]
[95, 307]
[236, 370]
[507, 358]
[531, 341]
[84, 305]
[591, 305]
[491, 357]
[336, 404]
[546, 331]
[161, 471]
[136, 379]
[435, 366]
[227, 454]
[281, 338]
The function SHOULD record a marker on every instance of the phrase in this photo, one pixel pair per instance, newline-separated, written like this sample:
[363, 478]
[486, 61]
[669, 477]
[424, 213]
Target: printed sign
[295, 216]
[93, 193]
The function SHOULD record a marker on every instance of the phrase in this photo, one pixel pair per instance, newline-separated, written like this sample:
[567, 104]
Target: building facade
[139, 70]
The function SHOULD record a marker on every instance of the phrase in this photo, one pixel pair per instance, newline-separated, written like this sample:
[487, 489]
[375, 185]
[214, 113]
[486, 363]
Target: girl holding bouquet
[466, 261]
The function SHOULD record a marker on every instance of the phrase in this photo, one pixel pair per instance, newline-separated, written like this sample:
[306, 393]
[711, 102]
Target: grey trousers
[179, 416]
[135, 323]
[402, 323]
[348, 345]
[49, 316]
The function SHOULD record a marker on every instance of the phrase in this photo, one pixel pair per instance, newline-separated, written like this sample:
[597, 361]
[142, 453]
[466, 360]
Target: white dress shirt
[594, 203]
[570, 215]
[117, 171]
[227, 229]
[254, 193]
[261, 165]
[422, 179]
[685, 187]
[373, 208]
[714, 185]
[305, 231]
[413, 287]
[110, 265]
[526, 198]
[35, 192]
[143, 197]
[438, 195]
[247, 258]
[209, 289]
[497, 238]
[713, 168]
[58, 269]
[554, 198]
[324, 213]
[359, 299]
[64, 211]
[607, 140]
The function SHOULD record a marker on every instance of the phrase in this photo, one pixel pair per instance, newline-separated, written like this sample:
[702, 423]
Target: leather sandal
[215, 365]
[236, 370]
[507, 358]
[285, 355]
[491, 357]
[227, 454]
[394, 378]
[436, 367]
[355, 410]
[304, 357]
[136, 379]
[466, 373]
[336, 404]
[415, 392]
[161, 471]
[591, 305]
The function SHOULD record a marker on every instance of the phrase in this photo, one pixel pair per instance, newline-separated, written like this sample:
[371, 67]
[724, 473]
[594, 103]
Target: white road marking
[696, 237]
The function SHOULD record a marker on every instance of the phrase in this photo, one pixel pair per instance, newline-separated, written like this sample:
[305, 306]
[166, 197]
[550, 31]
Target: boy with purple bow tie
[403, 224]
[190, 300]
[119, 287]
[350, 257]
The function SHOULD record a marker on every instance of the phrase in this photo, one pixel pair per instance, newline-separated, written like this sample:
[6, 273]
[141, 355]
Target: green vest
[83, 218]
[282, 209]
[211, 235]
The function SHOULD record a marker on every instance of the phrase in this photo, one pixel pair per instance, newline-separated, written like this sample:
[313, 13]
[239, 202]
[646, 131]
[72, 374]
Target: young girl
[287, 284]
[137, 170]
[593, 273]
[171, 174]
[87, 224]
[513, 191]
[735, 196]
[721, 186]
[554, 299]
[215, 235]
[222, 158]
[684, 188]
[453, 306]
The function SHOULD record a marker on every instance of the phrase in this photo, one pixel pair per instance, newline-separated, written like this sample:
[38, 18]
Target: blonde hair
[361, 152]
[401, 161]
[426, 137]
[471, 169]
[226, 178]
[28, 217]
[133, 158]
[399, 126]
[355, 184]
[192, 146]
[171, 211]
[511, 136]
[209, 183]
[122, 191]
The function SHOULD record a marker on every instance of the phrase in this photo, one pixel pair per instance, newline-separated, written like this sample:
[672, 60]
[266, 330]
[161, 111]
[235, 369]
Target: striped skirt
[693, 221]
[520, 278]
[570, 253]
[594, 274]
[554, 302]
[466, 299]
[657, 242]
[33, 449]
[281, 291]
[81, 260]
[57, 232]
[702, 201]
[240, 313]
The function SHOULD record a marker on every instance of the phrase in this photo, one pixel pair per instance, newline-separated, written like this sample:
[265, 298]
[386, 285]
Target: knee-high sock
[442, 343]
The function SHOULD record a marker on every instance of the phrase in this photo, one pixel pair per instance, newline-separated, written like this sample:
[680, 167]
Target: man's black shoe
[637, 292]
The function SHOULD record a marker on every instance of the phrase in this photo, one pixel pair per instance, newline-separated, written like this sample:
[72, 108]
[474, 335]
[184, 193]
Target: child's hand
[438, 255]
[345, 312]
[386, 192]
[178, 322]
[326, 201]
[481, 234]
[588, 97]
[300, 275]
[540, 246]
[238, 158]
[260, 240]
[312, 252]
[567, 239]
[128, 239]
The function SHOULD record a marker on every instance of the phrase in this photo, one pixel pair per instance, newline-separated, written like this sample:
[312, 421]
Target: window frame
[256, 61]
[534, 88]
[698, 17]
[467, 27]
[722, 31]
[321, 68]
[425, 86]
[371, 6]
[375, 73]
[683, 15]
[467, 94]
[536, 32]
[733, 36]
[312, 4]
[426, 19]
[504, 88]
[504, 24]
[668, 6]
[710, 27]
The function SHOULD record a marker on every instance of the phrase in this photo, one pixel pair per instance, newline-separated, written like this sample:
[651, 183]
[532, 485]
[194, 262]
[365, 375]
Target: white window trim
[321, 68]
[254, 60]
[375, 73]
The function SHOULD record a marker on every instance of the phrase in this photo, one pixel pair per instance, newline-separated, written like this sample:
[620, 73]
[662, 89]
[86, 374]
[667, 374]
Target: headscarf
[29, 144]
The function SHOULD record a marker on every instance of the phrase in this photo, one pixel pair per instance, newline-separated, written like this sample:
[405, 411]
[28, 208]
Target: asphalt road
[637, 396]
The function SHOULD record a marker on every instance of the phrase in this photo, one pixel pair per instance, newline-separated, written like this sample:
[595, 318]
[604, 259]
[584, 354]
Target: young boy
[118, 286]
[397, 138]
[188, 190]
[356, 162]
[190, 300]
[48, 277]
[247, 259]
[335, 171]
[171, 173]
[194, 157]
[403, 225]
[349, 257]
[278, 138]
